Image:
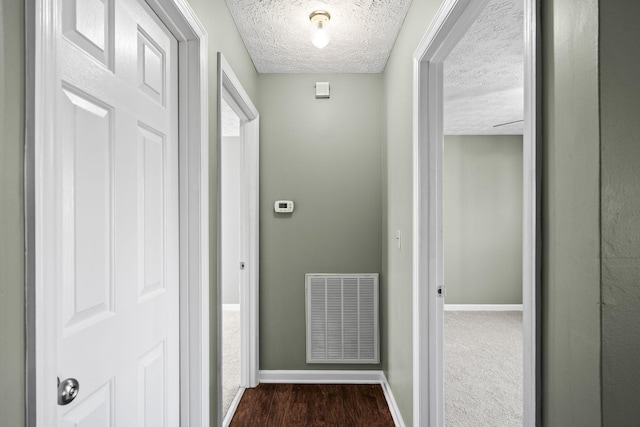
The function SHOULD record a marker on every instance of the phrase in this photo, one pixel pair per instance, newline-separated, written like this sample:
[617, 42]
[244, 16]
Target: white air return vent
[342, 318]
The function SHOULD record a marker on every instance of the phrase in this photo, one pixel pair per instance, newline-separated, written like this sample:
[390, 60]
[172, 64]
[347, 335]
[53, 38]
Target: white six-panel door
[115, 242]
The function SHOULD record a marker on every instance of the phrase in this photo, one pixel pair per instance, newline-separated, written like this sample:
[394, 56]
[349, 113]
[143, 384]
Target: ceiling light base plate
[319, 16]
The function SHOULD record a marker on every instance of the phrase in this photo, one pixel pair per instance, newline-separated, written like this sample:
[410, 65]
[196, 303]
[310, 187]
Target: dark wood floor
[344, 405]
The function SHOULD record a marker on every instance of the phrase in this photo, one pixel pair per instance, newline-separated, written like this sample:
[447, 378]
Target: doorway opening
[482, 219]
[238, 261]
[432, 221]
[231, 251]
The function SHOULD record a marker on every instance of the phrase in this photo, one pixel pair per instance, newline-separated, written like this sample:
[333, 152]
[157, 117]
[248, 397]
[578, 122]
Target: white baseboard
[391, 401]
[232, 409]
[336, 377]
[320, 377]
[483, 307]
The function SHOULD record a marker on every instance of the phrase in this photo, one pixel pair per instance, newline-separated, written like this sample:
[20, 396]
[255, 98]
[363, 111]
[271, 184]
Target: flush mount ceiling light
[319, 32]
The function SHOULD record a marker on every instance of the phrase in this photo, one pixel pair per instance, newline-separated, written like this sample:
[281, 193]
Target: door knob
[67, 390]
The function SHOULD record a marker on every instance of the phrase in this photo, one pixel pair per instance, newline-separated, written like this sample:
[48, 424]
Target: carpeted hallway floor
[483, 368]
[230, 356]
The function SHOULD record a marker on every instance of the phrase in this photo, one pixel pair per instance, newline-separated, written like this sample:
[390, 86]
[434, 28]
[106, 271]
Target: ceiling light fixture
[319, 32]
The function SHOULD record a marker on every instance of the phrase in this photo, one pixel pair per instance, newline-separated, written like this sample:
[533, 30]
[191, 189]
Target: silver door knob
[67, 390]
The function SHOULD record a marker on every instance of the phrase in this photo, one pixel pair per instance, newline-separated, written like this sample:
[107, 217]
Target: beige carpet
[230, 357]
[483, 368]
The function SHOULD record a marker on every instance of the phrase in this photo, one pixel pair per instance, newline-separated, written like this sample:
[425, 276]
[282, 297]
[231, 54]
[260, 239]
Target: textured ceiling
[483, 84]
[277, 34]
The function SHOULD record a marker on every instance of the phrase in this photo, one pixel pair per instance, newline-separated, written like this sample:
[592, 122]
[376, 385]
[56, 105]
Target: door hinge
[442, 291]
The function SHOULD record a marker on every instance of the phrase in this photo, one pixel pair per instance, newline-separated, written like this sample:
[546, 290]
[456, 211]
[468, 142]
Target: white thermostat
[283, 206]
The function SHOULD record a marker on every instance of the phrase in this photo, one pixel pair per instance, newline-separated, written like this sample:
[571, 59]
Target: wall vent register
[342, 318]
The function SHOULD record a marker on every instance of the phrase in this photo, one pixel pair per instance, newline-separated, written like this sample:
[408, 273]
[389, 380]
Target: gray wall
[325, 155]
[482, 202]
[571, 237]
[620, 204]
[11, 212]
[398, 207]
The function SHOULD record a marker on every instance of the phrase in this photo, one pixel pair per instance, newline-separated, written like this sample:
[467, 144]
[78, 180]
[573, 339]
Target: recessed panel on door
[95, 410]
[151, 67]
[152, 394]
[89, 25]
[87, 210]
[151, 188]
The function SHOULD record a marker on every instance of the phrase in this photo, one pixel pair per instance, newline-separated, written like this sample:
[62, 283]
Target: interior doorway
[482, 245]
[482, 220]
[238, 161]
[450, 25]
[231, 251]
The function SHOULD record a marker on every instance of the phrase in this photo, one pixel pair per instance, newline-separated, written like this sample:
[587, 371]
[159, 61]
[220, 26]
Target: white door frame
[230, 88]
[42, 30]
[449, 26]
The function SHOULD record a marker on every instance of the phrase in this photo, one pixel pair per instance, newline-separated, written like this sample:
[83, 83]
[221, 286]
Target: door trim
[42, 27]
[448, 27]
[231, 89]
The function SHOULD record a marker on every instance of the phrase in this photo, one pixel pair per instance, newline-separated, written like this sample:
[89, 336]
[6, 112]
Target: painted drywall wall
[325, 155]
[571, 237]
[230, 218]
[11, 212]
[620, 204]
[398, 163]
[482, 221]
